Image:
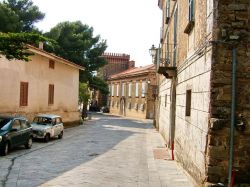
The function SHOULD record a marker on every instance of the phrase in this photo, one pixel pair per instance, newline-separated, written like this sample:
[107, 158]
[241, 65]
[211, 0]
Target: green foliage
[84, 94]
[76, 43]
[19, 16]
[99, 84]
[13, 45]
[9, 21]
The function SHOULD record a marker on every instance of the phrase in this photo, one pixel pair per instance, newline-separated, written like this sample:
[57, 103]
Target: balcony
[166, 60]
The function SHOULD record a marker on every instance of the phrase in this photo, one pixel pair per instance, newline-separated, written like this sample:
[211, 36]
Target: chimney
[40, 45]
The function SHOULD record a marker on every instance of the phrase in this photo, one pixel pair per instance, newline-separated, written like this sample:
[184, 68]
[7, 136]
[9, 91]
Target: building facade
[117, 63]
[132, 92]
[201, 44]
[45, 84]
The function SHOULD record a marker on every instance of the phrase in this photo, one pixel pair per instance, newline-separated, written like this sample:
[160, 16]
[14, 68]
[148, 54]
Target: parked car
[14, 131]
[46, 126]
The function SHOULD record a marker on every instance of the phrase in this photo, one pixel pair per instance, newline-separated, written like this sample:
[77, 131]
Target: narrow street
[106, 151]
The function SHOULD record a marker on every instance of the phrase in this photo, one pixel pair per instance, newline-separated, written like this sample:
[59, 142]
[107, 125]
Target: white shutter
[136, 89]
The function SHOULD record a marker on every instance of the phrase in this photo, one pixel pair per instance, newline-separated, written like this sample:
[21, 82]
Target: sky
[129, 26]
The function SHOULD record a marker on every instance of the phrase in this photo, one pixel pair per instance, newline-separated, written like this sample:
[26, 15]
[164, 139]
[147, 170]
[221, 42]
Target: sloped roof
[53, 57]
[134, 71]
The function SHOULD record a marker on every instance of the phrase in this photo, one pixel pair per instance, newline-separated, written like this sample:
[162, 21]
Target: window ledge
[189, 27]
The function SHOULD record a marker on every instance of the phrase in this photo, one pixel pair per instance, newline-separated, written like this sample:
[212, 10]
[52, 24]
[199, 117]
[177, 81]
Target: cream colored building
[194, 65]
[46, 84]
[132, 92]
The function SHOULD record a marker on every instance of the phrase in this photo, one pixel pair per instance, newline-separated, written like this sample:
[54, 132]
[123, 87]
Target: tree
[9, 21]
[76, 43]
[84, 97]
[14, 45]
[19, 16]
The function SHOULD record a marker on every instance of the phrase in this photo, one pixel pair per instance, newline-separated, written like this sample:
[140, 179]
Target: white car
[46, 126]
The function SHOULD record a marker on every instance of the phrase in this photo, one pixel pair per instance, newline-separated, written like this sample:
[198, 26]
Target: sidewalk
[167, 172]
[130, 163]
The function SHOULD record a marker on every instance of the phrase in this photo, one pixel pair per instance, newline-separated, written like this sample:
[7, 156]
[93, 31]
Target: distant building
[46, 84]
[116, 63]
[132, 92]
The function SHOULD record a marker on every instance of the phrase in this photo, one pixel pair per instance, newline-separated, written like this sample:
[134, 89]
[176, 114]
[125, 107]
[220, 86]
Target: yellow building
[132, 92]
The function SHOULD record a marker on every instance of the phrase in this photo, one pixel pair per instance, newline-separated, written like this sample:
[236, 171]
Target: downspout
[233, 108]
[172, 116]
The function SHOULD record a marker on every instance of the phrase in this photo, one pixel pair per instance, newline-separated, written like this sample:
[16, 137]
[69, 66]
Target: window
[24, 93]
[129, 89]
[123, 89]
[167, 11]
[109, 89]
[188, 102]
[143, 89]
[136, 89]
[117, 90]
[51, 94]
[166, 100]
[16, 125]
[24, 124]
[52, 64]
[112, 90]
[191, 11]
[175, 36]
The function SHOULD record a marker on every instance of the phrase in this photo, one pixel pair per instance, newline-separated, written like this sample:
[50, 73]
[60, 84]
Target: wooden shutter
[51, 94]
[24, 93]
[52, 64]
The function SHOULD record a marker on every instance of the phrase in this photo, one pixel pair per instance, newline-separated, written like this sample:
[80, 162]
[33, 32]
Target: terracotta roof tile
[134, 71]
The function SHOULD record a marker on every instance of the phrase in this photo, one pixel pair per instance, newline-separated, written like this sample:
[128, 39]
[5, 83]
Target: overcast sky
[129, 26]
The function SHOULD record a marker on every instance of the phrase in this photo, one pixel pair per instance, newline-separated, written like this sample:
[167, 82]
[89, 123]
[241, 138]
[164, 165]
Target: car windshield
[42, 120]
[4, 123]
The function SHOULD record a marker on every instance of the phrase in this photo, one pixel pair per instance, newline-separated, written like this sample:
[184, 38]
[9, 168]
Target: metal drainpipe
[233, 107]
[172, 116]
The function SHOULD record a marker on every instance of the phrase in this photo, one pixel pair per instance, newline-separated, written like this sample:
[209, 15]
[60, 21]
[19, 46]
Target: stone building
[201, 45]
[117, 63]
[45, 84]
[132, 92]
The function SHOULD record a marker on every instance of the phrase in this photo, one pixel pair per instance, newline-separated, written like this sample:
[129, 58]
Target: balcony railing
[166, 60]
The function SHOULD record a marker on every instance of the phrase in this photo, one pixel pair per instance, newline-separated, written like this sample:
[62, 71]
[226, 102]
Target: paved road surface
[106, 151]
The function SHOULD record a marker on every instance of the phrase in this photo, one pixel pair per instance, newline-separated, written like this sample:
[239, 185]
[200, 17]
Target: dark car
[14, 131]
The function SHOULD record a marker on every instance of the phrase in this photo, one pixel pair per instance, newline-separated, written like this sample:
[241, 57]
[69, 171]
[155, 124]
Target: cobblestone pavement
[107, 151]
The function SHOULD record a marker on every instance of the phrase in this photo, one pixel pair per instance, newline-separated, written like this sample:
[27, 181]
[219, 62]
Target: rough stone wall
[232, 19]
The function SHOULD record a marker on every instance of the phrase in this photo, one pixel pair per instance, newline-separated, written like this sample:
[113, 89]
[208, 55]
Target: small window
[167, 11]
[166, 100]
[24, 124]
[123, 89]
[117, 90]
[24, 93]
[188, 102]
[129, 89]
[136, 89]
[16, 125]
[143, 89]
[52, 64]
[58, 120]
[51, 94]
[191, 15]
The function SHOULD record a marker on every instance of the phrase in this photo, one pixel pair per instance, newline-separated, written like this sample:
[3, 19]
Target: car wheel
[28, 145]
[47, 138]
[60, 135]
[5, 149]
